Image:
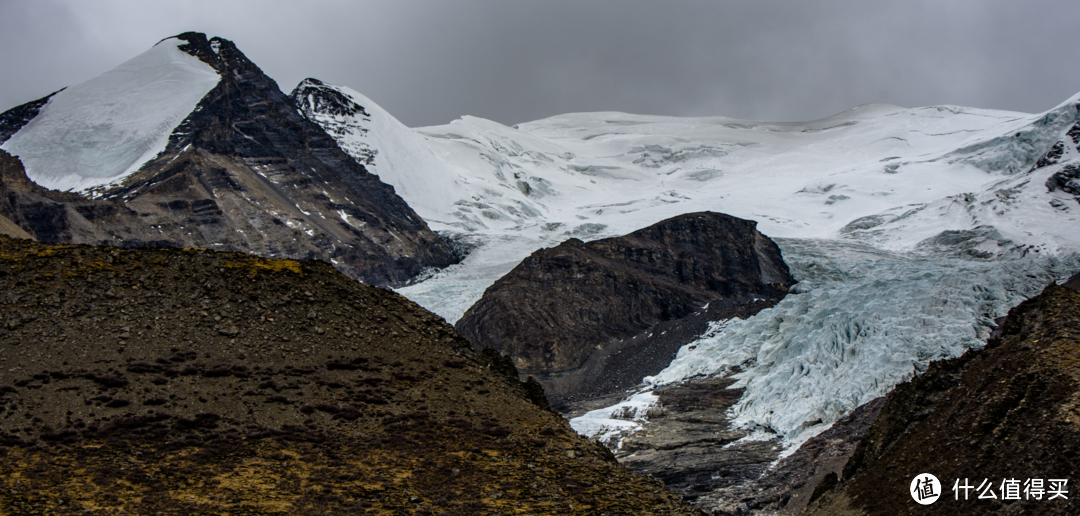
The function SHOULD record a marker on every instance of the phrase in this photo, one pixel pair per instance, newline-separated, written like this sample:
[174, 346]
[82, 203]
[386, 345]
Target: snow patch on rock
[616, 422]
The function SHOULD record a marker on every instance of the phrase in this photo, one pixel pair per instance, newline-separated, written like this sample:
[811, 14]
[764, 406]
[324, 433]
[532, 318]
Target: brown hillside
[169, 381]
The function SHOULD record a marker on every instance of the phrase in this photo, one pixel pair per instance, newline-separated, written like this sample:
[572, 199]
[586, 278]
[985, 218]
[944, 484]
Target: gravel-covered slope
[182, 381]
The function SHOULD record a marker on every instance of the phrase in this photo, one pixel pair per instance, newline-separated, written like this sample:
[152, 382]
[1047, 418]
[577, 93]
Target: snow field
[100, 131]
[910, 230]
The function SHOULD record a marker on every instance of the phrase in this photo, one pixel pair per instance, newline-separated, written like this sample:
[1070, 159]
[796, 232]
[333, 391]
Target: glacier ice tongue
[451, 291]
[100, 131]
[865, 320]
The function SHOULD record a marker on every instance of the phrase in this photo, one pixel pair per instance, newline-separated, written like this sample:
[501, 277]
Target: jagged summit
[191, 144]
[317, 101]
[374, 138]
[219, 53]
[315, 97]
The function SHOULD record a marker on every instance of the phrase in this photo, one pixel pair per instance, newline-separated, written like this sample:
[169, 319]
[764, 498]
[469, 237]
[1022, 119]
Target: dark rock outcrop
[15, 118]
[1067, 180]
[244, 171]
[1007, 411]
[170, 381]
[596, 317]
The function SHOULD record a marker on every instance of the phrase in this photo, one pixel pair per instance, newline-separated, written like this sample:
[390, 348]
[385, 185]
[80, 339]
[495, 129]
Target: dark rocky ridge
[314, 99]
[15, 118]
[593, 318]
[169, 381]
[244, 171]
[1009, 410]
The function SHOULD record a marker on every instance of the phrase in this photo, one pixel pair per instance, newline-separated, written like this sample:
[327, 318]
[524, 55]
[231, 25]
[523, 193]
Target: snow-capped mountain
[909, 230]
[102, 130]
[397, 154]
[190, 144]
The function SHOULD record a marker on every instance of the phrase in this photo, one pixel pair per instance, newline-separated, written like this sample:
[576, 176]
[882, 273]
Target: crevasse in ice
[863, 321]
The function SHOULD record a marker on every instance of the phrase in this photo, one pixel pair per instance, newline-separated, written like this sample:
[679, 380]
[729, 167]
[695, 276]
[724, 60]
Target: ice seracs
[910, 230]
[100, 131]
[863, 320]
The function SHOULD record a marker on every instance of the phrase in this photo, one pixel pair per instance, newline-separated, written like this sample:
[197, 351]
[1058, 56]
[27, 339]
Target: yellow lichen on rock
[256, 265]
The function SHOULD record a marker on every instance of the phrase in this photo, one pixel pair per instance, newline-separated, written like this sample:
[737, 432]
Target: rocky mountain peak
[340, 116]
[314, 97]
[219, 53]
[242, 170]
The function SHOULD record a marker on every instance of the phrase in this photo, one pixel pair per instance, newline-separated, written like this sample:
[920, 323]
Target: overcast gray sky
[429, 62]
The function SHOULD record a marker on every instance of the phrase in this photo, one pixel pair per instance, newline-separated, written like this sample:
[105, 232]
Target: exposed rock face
[587, 317]
[1067, 180]
[244, 171]
[15, 118]
[156, 381]
[690, 444]
[687, 442]
[1007, 411]
[320, 103]
[48, 215]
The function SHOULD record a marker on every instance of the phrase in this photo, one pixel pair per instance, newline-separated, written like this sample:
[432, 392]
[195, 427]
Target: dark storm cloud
[428, 62]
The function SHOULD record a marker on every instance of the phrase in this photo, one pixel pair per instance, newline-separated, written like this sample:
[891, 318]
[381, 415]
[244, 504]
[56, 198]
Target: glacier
[910, 231]
[100, 131]
[862, 320]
